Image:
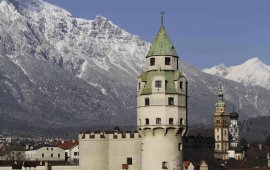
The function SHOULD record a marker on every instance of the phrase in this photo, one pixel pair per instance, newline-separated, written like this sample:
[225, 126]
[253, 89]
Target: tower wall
[97, 155]
[160, 63]
[161, 149]
[162, 107]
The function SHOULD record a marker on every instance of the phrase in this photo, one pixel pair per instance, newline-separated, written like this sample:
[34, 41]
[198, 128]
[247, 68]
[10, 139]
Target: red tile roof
[186, 164]
[68, 144]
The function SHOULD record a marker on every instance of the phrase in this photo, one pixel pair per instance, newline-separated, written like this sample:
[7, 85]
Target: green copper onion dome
[234, 114]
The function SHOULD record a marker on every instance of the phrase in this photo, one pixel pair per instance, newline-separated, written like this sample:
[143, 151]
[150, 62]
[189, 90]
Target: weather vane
[162, 16]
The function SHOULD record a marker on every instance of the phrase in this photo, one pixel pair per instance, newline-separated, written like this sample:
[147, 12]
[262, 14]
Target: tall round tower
[162, 106]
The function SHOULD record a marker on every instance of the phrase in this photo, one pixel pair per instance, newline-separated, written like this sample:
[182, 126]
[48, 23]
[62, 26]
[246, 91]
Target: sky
[204, 32]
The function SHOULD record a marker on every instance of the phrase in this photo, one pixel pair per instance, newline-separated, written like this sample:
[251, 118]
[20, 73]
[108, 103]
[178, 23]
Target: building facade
[45, 153]
[221, 127]
[71, 149]
[161, 119]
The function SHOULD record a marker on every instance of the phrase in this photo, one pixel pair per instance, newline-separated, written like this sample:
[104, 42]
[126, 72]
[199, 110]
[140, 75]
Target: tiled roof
[162, 45]
[68, 144]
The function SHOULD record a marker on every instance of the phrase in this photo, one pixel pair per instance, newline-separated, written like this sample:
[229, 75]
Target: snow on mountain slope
[250, 73]
[59, 71]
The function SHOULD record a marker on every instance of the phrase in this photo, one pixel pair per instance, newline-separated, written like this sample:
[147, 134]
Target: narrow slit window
[181, 121]
[167, 61]
[171, 101]
[152, 61]
[181, 85]
[171, 121]
[146, 101]
[158, 120]
[147, 121]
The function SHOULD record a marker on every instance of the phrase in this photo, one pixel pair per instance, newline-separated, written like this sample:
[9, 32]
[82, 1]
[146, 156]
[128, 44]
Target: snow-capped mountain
[60, 71]
[250, 73]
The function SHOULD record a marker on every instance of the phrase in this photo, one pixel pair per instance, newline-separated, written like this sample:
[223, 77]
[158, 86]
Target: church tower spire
[162, 106]
[221, 127]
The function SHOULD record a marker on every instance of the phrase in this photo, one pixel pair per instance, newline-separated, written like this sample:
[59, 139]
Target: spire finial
[220, 85]
[162, 16]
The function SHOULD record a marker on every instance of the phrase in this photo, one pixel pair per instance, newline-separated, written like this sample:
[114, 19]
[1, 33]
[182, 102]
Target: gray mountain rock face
[59, 71]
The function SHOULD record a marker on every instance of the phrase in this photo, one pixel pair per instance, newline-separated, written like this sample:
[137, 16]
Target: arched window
[225, 132]
[147, 121]
[218, 146]
[170, 121]
[217, 137]
[158, 120]
[164, 165]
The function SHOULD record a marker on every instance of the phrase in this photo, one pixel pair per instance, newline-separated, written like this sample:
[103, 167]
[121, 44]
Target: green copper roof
[220, 102]
[162, 45]
[234, 114]
[170, 77]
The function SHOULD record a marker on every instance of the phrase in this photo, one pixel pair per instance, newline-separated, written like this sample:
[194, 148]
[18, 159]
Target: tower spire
[162, 16]
[220, 85]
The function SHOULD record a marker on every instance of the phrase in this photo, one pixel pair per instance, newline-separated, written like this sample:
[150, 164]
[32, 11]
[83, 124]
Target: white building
[45, 152]
[71, 149]
[161, 119]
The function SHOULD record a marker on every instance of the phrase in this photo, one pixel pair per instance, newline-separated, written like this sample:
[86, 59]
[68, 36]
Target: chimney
[260, 146]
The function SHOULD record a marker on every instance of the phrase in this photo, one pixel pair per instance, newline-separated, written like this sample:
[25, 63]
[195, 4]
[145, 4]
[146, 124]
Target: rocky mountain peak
[251, 72]
[61, 71]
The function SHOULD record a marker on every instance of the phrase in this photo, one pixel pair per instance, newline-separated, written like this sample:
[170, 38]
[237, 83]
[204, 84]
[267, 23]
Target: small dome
[234, 115]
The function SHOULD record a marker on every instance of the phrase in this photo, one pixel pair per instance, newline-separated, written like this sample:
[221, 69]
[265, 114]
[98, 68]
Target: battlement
[109, 135]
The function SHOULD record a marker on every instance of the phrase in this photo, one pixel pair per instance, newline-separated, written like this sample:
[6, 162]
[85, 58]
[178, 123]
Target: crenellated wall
[109, 150]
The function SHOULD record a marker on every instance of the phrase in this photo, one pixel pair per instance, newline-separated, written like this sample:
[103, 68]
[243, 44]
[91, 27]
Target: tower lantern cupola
[162, 54]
